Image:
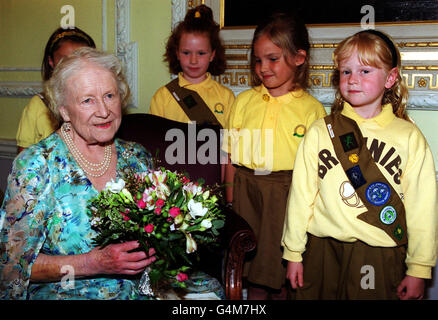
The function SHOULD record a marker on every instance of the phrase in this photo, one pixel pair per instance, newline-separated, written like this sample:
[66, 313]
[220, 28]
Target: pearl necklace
[91, 169]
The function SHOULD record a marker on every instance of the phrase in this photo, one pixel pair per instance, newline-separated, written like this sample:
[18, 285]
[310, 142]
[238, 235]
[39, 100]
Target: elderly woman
[46, 236]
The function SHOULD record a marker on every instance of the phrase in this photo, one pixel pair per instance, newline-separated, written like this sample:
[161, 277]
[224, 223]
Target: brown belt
[282, 172]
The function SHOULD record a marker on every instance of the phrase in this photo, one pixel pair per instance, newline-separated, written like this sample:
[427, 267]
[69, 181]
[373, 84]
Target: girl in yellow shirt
[36, 121]
[266, 125]
[362, 214]
[195, 52]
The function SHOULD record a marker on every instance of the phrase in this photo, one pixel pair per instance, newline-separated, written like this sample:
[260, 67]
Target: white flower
[183, 227]
[190, 243]
[128, 196]
[158, 177]
[196, 209]
[95, 221]
[206, 194]
[115, 187]
[192, 188]
[206, 223]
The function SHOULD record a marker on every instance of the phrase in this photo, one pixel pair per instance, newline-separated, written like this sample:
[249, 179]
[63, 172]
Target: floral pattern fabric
[45, 210]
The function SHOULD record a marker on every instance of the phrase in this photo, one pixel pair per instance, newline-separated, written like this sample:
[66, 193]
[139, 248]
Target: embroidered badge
[356, 177]
[354, 158]
[388, 215]
[266, 97]
[189, 101]
[300, 131]
[398, 232]
[348, 141]
[330, 129]
[219, 108]
[378, 193]
[349, 195]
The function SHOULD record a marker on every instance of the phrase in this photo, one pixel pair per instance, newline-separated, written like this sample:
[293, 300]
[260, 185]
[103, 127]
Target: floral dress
[45, 210]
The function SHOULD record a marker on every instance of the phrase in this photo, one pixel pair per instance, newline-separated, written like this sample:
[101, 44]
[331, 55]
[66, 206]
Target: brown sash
[192, 104]
[385, 208]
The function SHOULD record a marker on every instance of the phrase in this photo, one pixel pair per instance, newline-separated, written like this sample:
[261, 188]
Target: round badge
[354, 158]
[388, 215]
[300, 131]
[219, 108]
[378, 193]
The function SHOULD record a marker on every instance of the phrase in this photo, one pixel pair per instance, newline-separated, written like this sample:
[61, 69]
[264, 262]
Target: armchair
[187, 149]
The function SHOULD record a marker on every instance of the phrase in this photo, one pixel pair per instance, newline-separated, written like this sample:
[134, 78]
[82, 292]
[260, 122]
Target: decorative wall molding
[414, 39]
[126, 50]
[17, 69]
[179, 9]
[104, 27]
[19, 89]
[421, 78]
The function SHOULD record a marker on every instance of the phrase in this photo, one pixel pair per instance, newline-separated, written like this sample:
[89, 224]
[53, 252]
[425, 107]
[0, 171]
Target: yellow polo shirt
[264, 131]
[36, 123]
[322, 202]
[217, 97]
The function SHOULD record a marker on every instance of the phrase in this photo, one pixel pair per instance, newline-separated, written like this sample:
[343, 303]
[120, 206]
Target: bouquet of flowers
[163, 210]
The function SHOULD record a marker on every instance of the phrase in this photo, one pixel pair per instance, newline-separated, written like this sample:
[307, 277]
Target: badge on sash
[378, 193]
[189, 101]
[348, 141]
[354, 158]
[388, 215]
[356, 177]
[398, 232]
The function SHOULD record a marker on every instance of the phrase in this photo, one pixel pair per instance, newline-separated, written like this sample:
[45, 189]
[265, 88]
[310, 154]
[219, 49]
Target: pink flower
[185, 180]
[174, 212]
[158, 211]
[181, 277]
[141, 204]
[125, 217]
[159, 203]
[149, 228]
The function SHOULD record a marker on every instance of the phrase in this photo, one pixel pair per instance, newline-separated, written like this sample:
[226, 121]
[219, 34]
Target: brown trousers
[261, 200]
[343, 270]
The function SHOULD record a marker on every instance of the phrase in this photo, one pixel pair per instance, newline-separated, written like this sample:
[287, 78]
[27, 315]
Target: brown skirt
[261, 200]
[350, 270]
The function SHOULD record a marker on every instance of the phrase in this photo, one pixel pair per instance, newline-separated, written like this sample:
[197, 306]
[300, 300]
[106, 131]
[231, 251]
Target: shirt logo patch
[356, 177]
[300, 131]
[378, 193]
[219, 108]
[348, 141]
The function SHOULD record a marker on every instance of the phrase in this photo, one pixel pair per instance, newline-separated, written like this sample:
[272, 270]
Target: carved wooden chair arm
[241, 240]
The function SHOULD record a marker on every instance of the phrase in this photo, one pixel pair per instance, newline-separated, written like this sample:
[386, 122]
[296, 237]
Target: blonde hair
[55, 88]
[374, 50]
[288, 32]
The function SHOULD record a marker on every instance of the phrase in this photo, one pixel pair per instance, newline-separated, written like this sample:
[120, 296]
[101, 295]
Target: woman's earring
[67, 126]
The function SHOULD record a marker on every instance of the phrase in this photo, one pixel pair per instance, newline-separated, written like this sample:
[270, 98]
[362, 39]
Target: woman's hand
[411, 288]
[116, 259]
[295, 274]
